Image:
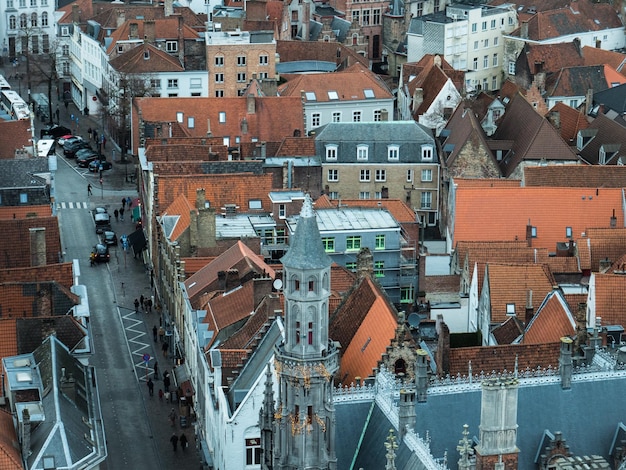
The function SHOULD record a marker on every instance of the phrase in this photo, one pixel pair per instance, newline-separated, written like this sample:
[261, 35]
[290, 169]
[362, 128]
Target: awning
[182, 378]
[137, 241]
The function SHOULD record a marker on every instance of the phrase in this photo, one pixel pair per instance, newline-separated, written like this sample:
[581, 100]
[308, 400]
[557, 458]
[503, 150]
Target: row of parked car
[74, 146]
[108, 237]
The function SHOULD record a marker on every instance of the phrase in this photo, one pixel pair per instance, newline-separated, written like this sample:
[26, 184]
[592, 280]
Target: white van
[46, 147]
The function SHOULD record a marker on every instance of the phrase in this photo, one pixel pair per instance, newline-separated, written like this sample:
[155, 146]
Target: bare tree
[46, 66]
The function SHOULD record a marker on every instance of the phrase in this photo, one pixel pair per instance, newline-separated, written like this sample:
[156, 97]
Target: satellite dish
[278, 284]
[414, 320]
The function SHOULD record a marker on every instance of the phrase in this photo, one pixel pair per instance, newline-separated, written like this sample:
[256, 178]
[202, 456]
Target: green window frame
[379, 268]
[406, 294]
[351, 266]
[353, 243]
[329, 244]
[380, 242]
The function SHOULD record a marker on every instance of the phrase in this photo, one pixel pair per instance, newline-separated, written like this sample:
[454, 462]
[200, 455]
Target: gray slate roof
[20, 173]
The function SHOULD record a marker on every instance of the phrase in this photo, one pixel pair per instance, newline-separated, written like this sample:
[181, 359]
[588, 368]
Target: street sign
[146, 358]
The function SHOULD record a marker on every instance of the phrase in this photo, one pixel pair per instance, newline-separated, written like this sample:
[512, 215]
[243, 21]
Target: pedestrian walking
[156, 370]
[57, 112]
[92, 259]
[95, 136]
[160, 394]
[146, 305]
[129, 201]
[89, 131]
[161, 334]
[116, 214]
[164, 349]
[174, 441]
[172, 418]
[183, 442]
[104, 142]
[136, 306]
[150, 385]
[166, 382]
[122, 213]
[89, 189]
[155, 332]
[141, 301]
[149, 302]
[123, 202]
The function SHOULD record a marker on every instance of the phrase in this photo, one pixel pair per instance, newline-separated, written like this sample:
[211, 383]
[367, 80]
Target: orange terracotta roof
[441, 284]
[396, 207]
[341, 279]
[10, 456]
[62, 274]
[597, 56]
[22, 212]
[232, 188]
[8, 338]
[164, 28]
[505, 213]
[238, 256]
[505, 357]
[290, 51]
[16, 232]
[145, 59]
[569, 122]
[487, 183]
[609, 298]
[297, 146]
[508, 331]
[364, 326]
[575, 300]
[180, 207]
[252, 331]
[510, 284]
[552, 321]
[584, 176]
[195, 264]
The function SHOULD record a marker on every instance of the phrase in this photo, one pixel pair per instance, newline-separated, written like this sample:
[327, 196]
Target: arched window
[23, 20]
[44, 18]
[400, 367]
[12, 22]
[295, 284]
[33, 19]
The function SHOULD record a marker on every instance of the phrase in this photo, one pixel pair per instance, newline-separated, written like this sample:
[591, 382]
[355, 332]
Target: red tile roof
[505, 212]
[8, 338]
[10, 456]
[146, 59]
[291, 51]
[22, 212]
[551, 58]
[583, 176]
[608, 297]
[164, 28]
[182, 208]
[16, 233]
[552, 321]
[568, 122]
[597, 56]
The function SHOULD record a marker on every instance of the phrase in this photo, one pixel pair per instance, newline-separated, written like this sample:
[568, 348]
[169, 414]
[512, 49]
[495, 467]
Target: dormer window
[331, 152]
[361, 152]
[393, 153]
[427, 152]
[171, 46]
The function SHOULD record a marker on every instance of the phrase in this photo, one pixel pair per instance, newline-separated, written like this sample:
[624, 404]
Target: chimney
[421, 375]
[25, 433]
[232, 279]
[37, 246]
[244, 126]
[588, 101]
[365, 263]
[149, 32]
[437, 61]
[555, 119]
[262, 288]
[251, 103]
[529, 307]
[75, 14]
[418, 98]
[200, 198]
[565, 363]
[206, 228]
[613, 222]
[208, 128]
[384, 115]
[68, 385]
[134, 31]
[121, 17]
[524, 31]
[181, 40]
[169, 7]
[406, 412]
[221, 280]
[529, 234]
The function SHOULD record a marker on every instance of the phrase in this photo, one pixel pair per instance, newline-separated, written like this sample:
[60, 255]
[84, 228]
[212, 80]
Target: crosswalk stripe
[72, 205]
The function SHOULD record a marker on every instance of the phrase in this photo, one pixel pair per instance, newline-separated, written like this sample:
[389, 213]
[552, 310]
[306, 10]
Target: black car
[109, 238]
[101, 253]
[85, 156]
[54, 131]
[70, 148]
[98, 165]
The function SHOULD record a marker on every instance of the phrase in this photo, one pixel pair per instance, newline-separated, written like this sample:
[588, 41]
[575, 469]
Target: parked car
[54, 131]
[85, 156]
[98, 165]
[99, 210]
[70, 148]
[67, 139]
[103, 222]
[101, 253]
[109, 238]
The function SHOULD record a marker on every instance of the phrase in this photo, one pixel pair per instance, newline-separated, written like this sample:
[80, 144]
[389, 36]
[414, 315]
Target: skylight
[369, 93]
[332, 95]
[310, 96]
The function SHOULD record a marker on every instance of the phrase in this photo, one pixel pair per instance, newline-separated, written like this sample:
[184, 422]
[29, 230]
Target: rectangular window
[263, 60]
[155, 83]
[22, 3]
[381, 175]
[353, 243]
[426, 200]
[331, 152]
[351, 266]
[172, 82]
[329, 244]
[409, 176]
[406, 295]
[241, 77]
[361, 152]
[379, 268]
[510, 309]
[484, 26]
[333, 195]
[356, 116]
[23, 198]
[315, 119]
[380, 242]
[511, 68]
[195, 83]
[475, 63]
[222, 117]
[191, 122]
[494, 86]
[474, 27]
[393, 152]
[366, 18]
[485, 61]
[219, 93]
[219, 61]
[427, 153]
[427, 175]
[294, 15]
[475, 45]
[568, 232]
[495, 41]
[241, 60]
[486, 43]
[355, 16]
[337, 116]
[171, 46]
[219, 78]
[365, 175]
[253, 452]
[378, 115]
[364, 195]
[333, 175]
[65, 30]
[376, 16]
[494, 60]
[493, 24]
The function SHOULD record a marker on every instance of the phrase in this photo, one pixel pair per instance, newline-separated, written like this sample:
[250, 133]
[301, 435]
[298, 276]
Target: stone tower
[498, 449]
[306, 361]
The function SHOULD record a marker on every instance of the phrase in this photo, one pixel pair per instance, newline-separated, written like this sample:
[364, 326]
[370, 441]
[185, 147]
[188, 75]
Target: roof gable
[552, 321]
